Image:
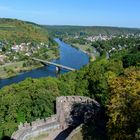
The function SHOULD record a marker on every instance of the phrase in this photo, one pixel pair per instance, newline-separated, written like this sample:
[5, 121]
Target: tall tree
[124, 105]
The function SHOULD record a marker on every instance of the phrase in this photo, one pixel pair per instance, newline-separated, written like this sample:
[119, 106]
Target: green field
[85, 48]
[4, 68]
[12, 69]
[78, 135]
[6, 25]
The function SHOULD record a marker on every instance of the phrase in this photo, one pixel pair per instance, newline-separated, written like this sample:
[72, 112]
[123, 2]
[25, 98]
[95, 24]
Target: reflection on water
[69, 56]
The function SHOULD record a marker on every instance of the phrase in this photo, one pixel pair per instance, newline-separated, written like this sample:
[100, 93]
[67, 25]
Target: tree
[124, 105]
[132, 59]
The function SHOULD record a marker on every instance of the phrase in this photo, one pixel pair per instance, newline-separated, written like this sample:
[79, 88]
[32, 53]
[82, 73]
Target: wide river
[69, 56]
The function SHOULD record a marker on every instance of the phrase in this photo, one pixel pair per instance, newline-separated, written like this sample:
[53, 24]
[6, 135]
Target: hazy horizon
[108, 13]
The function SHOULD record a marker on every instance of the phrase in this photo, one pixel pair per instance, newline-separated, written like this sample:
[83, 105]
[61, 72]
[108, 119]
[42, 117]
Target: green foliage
[124, 105]
[16, 31]
[26, 101]
[131, 60]
[97, 82]
[137, 135]
[98, 75]
[107, 81]
[75, 83]
[83, 30]
[121, 45]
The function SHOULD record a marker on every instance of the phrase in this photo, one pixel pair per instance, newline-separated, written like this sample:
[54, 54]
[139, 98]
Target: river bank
[87, 49]
[69, 56]
[90, 54]
[10, 70]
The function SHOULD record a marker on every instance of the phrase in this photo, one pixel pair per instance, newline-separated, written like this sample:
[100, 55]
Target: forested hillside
[89, 30]
[17, 31]
[20, 41]
[114, 83]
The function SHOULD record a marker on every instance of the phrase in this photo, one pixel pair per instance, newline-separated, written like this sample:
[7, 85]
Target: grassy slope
[86, 49]
[94, 30]
[16, 67]
[19, 31]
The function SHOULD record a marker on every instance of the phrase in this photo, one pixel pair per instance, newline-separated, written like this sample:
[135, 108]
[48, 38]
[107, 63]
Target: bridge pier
[57, 69]
[58, 66]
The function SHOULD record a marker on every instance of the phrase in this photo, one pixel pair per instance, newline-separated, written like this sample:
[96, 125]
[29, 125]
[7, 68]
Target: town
[14, 53]
[16, 58]
[69, 70]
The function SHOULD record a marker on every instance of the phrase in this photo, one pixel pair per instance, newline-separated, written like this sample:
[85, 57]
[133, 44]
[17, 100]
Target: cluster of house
[105, 37]
[130, 35]
[99, 38]
[21, 47]
[113, 49]
[27, 48]
[2, 57]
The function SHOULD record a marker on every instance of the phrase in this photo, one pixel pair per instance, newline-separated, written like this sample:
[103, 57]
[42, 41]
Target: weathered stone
[64, 106]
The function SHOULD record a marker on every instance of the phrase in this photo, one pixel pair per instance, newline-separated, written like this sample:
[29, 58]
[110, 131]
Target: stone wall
[59, 121]
[28, 130]
[64, 106]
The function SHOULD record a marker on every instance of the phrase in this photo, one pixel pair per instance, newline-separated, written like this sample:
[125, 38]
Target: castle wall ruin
[59, 121]
[64, 105]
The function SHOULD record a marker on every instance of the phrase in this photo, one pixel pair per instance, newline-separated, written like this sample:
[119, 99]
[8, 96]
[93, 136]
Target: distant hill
[90, 30]
[13, 30]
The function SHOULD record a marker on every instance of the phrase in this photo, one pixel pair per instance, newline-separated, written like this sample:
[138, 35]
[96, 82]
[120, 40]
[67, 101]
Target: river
[69, 56]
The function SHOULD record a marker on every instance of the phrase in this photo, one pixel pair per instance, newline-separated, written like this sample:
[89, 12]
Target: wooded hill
[17, 31]
[90, 30]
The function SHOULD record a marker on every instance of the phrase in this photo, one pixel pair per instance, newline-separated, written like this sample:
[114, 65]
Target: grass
[83, 47]
[77, 136]
[15, 68]
[12, 69]
[51, 54]
[10, 66]
[13, 65]
[87, 49]
[40, 137]
[6, 26]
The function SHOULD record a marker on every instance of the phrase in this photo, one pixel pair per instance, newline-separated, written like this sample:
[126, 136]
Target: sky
[120, 13]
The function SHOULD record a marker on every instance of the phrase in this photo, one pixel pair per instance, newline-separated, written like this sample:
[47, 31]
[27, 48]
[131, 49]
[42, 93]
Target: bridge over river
[69, 56]
[58, 66]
